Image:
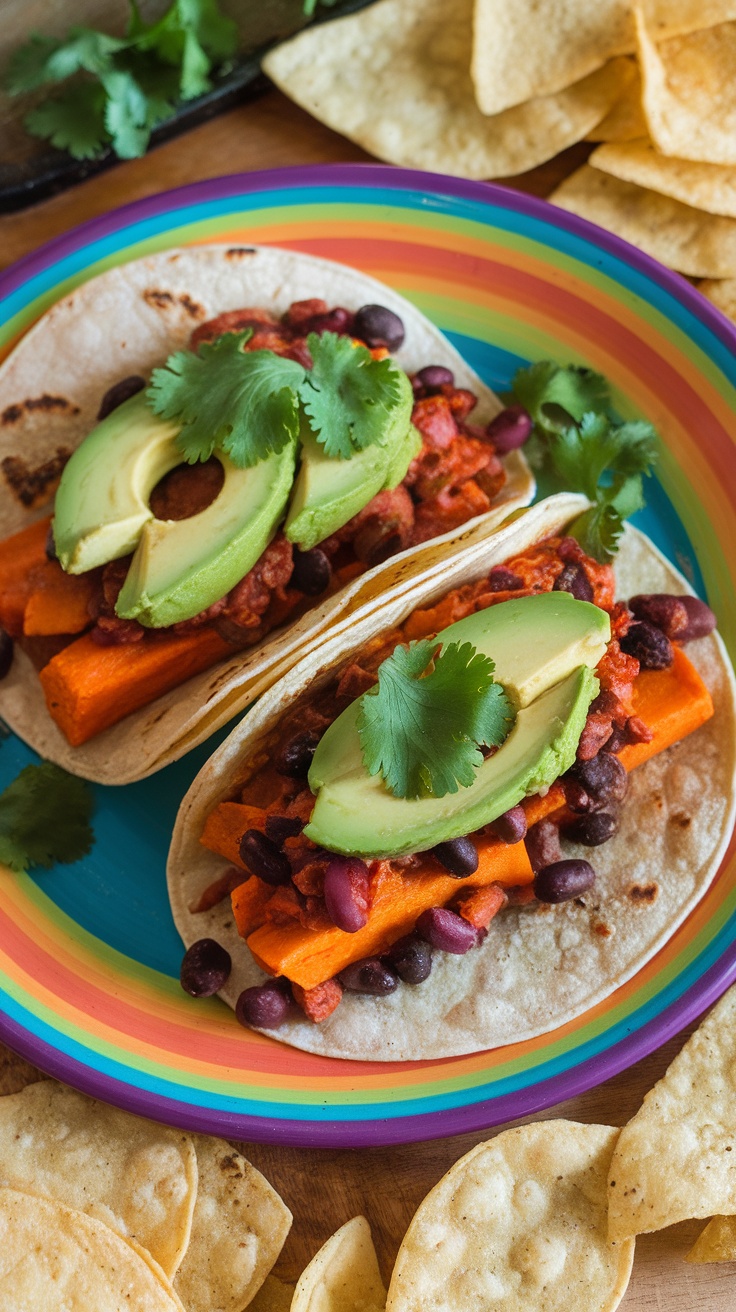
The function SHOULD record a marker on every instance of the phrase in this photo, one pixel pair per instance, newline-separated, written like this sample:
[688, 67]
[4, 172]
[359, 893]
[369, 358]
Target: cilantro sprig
[250, 404]
[422, 728]
[115, 90]
[578, 445]
[44, 818]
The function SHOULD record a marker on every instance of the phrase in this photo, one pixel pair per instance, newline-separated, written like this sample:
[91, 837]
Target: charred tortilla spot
[231, 1166]
[31, 486]
[644, 892]
[237, 252]
[193, 308]
[12, 413]
[603, 931]
[681, 819]
[161, 300]
[158, 299]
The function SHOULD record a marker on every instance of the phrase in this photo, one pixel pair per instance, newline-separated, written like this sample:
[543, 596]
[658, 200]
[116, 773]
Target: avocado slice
[329, 491]
[102, 500]
[182, 566]
[544, 647]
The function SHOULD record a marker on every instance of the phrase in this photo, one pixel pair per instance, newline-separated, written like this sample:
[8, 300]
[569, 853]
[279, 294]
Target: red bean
[346, 893]
[434, 376]
[411, 958]
[378, 326]
[369, 976]
[458, 855]
[543, 844]
[511, 826]
[338, 320]
[205, 968]
[263, 858]
[119, 392]
[648, 645]
[563, 880]
[312, 572]
[501, 579]
[574, 580]
[510, 429]
[700, 619]
[445, 930]
[6, 653]
[263, 1007]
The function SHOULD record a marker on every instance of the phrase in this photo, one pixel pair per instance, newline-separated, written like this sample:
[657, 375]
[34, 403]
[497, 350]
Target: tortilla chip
[395, 78]
[52, 1258]
[273, 1296]
[625, 121]
[518, 1223]
[717, 1243]
[677, 1158]
[343, 1276]
[686, 239]
[722, 293]
[137, 1177]
[709, 187]
[689, 93]
[238, 1230]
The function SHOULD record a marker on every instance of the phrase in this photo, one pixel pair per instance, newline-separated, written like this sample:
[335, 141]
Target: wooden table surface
[323, 1188]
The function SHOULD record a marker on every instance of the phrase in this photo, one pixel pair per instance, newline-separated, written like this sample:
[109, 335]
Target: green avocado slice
[328, 491]
[544, 648]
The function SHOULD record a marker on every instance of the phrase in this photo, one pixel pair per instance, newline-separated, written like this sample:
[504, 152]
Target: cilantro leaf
[27, 67]
[44, 818]
[578, 444]
[192, 35]
[84, 50]
[73, 121]
[243, 402]
[348, 396]
[423, 730]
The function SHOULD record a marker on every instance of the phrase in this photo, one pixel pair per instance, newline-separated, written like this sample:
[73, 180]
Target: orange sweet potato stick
[88, 688]
[19, 556]
[59, 602]
[226, 825]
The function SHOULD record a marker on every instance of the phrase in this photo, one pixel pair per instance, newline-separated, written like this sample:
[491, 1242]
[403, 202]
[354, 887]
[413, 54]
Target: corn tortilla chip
[686, 239]
[343, 1276]
[722, 293]
[526, 49]
[677, 1158]
[520, 1224]
[689, 93]
[395, 78]
[55, 1259]
[273, 1296]
[709, 187]
[625, 121]
[238, 1230]
[137, 1177]
[717, 1243]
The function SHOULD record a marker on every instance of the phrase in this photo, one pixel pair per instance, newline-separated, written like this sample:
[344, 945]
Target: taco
[381, 917]
[282, 470]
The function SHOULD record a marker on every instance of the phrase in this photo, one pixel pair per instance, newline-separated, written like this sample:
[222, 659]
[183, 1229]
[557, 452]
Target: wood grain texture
[325, 1188]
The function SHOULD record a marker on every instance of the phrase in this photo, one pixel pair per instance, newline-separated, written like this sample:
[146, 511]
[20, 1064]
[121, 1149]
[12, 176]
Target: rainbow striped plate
[89, 955]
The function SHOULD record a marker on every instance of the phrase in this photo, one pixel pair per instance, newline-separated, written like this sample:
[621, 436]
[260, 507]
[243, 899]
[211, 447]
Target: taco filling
[255, 476]
[393, 812]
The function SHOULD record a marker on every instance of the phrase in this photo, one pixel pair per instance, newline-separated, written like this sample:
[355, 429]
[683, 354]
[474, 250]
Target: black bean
[205, 968]
[51, 544]
[312, 572]
[435, 376]
[295, 756]
[501, 579]
[649, 646]
[411, 958]
[458, 855]
[542, 844]
[510, 429]
[603, 778]
[280, 827]
[563, 880]
[378, 326]
[511, 826]
[119, 392]
[263, 858]
[369, 976]
[574, 580]
[6, 653]
[592, 830]
[263, 1007]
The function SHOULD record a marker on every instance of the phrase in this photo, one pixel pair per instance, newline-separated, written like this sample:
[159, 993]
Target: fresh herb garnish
[580, 447]
[245, 402]
[248, 402]
[423, 726]
[44, 818]
[121, 87]
[347, 395]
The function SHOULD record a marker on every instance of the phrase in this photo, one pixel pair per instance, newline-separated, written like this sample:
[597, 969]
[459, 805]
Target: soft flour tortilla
[127, 321]
[540, 966]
